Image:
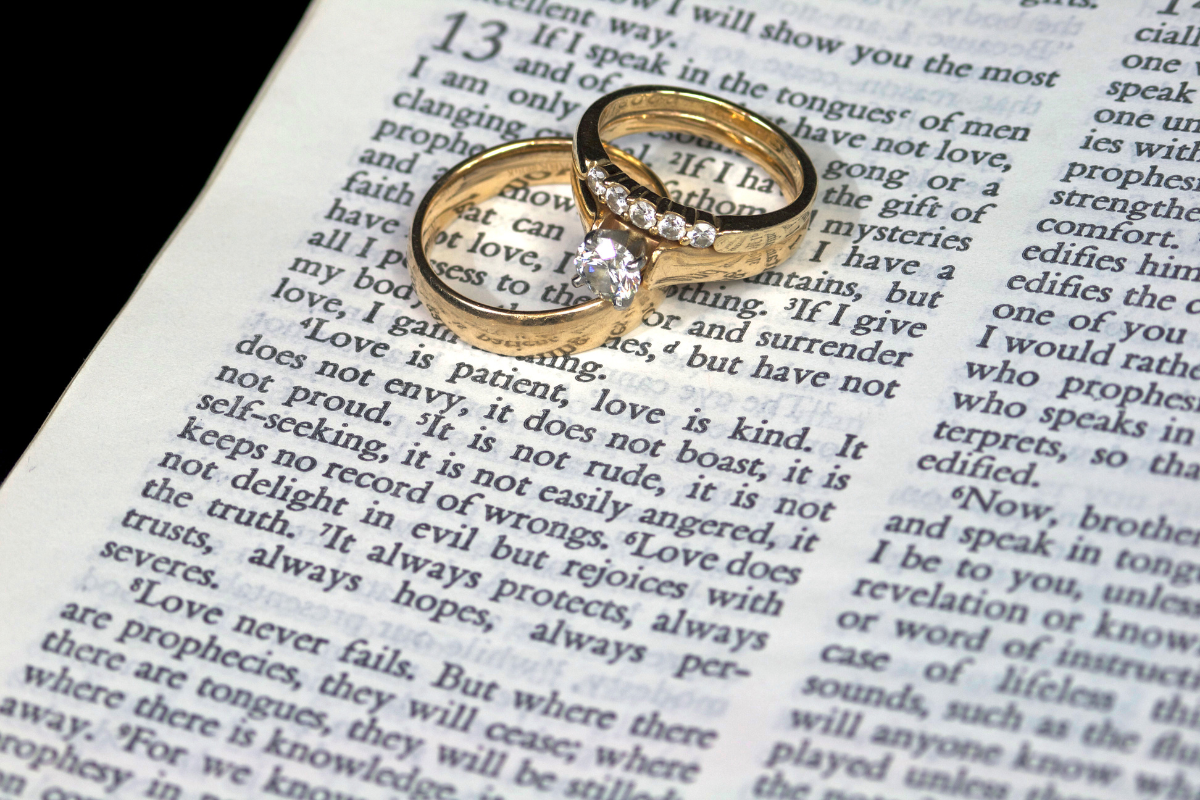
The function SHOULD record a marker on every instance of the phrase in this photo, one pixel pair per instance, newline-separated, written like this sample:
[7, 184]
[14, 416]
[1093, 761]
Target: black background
[123, 117]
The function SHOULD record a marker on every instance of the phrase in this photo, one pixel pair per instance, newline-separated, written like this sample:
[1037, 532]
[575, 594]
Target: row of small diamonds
[641, 213]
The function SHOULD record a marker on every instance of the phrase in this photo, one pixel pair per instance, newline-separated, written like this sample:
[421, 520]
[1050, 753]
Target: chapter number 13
[497, 28]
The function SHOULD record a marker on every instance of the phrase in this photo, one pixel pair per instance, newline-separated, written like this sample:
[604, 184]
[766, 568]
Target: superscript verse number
[497, 28]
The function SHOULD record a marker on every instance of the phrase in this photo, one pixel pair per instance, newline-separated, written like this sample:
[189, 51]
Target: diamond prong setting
[610, 262]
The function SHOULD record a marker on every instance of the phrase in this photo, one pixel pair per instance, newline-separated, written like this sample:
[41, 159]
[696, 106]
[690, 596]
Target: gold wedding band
[639, 239]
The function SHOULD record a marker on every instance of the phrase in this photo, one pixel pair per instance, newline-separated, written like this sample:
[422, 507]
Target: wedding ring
[668, 242]
[525, 333]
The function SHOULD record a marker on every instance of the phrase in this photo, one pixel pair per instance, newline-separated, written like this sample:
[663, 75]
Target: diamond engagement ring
[661, 241]
[639, 240]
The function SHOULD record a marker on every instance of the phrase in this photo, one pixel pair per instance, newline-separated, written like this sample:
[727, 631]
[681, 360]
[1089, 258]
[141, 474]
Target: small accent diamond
[642, 214]
[610, 261]
[703, 235]
[617, 198]
[671, 227]
[595, 180]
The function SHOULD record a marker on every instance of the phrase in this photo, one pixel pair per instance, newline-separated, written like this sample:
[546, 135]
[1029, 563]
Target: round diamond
[642, 214]
[617, 198]
[703, 235]
[611, 261]
[671, 227]
[595, 180]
